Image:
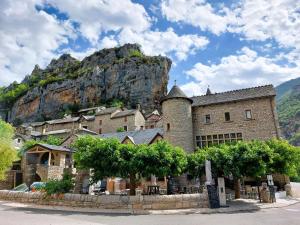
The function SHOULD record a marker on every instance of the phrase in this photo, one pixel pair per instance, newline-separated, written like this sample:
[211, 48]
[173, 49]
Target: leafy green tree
[240, 159]
[286, 158]
[161, 159]
[108, 158]
[101, 155]
[7, 152]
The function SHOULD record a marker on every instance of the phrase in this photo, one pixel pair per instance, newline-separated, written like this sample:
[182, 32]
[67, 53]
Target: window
[152, 126]
[85, 127]
[125, 119]
[248, 114]
[19, 140]
[100, 131]
[100, 122]
[207, 119]
[142, 127]
[168, 127]
[125, 128]
[216, 139]
[227, 116]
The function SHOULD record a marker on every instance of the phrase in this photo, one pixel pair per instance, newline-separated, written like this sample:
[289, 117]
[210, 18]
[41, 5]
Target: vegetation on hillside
[7, 152]
[288, 107]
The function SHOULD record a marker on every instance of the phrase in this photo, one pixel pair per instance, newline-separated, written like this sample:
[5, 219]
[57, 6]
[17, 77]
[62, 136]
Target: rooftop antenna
[175, 82]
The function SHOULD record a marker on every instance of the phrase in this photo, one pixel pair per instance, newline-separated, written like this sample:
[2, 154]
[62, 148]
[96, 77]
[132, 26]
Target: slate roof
[235, 95]
[88, 118]
[124, 113]
[65, 120]
[55, 147]
[108, 111]
[138, 136]
[176, 92]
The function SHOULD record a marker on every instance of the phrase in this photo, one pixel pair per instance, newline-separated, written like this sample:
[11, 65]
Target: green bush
[135, 53]
[60, 186]
[120, 129]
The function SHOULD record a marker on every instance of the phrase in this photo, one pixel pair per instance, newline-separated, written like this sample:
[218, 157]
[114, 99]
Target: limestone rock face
[118, 73]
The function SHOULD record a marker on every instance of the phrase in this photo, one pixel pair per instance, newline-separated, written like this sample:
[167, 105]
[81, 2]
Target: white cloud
[264, 19]
[164, 43]
[245, 69]
[28, 37]
[97, 16]
[198, 13]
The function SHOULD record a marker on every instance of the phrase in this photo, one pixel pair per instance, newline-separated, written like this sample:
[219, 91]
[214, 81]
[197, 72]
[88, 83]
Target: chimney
[138, 107]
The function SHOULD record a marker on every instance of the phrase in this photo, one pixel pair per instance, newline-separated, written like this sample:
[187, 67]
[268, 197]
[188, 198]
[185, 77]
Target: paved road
[14, 215]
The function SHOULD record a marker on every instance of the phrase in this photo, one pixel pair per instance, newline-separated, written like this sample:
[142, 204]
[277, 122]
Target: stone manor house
[191, 123]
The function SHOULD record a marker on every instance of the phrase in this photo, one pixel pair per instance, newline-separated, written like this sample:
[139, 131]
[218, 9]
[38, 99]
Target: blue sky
[224, 44]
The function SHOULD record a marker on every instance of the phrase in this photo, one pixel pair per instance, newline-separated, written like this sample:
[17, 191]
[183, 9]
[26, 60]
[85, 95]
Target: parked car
[37, 186]
[21, 188]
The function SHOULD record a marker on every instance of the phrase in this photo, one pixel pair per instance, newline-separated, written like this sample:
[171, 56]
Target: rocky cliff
[123, 73]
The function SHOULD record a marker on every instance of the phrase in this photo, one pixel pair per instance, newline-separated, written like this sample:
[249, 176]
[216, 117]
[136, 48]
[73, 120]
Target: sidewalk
[233, 207]
[239, 205]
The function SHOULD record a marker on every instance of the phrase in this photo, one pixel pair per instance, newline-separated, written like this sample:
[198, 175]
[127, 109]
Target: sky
[225, 45]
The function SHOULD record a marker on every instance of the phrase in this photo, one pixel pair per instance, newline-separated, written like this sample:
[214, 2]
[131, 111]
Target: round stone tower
[177, 119]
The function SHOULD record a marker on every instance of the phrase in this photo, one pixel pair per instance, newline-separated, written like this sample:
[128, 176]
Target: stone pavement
[233, 207]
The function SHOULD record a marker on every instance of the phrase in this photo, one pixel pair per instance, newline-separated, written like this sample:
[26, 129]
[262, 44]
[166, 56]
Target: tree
[101, 155]
[7, 152]
[161, 159]
[286, 158]
[240, 159]
[108, 158]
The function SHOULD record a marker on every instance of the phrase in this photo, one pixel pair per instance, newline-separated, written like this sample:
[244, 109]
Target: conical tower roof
[176, 92]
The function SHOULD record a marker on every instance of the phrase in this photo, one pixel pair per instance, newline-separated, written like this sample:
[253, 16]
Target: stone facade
[246, 114]
[263, 124]
[177, 123]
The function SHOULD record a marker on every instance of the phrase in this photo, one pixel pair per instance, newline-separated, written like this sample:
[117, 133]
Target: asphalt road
[14, 215]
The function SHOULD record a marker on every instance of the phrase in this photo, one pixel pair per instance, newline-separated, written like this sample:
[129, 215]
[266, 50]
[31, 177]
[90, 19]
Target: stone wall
[135, 203]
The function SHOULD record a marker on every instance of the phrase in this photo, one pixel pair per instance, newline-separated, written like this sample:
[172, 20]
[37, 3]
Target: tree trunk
[132, 184]
[237, 189]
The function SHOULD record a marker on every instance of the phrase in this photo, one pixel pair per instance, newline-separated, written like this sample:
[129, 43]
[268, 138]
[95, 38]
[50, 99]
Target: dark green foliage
[109, 158]
[60, 186]
[120, 129]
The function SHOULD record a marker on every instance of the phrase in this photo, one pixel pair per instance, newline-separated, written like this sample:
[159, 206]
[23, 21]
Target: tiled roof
[175, 92]
[235, 95]
[124, 113]
[55, 147]
[138, 136]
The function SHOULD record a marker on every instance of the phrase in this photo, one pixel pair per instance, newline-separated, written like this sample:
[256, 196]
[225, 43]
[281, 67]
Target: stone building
[43, 162]
[245, 114]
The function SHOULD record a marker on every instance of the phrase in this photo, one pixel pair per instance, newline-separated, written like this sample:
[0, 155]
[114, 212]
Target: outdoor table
[153, 190]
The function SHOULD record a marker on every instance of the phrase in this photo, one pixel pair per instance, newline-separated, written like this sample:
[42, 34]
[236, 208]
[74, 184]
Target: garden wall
[142, 202]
